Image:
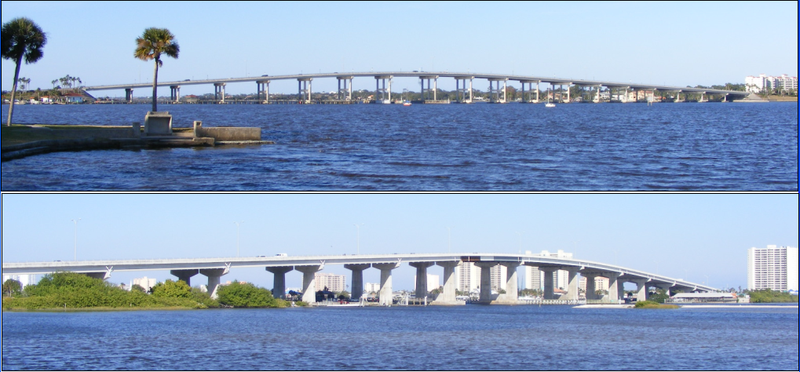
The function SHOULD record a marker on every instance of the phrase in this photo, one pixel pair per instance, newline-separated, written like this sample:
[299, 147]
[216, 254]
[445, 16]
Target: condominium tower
[773, 268]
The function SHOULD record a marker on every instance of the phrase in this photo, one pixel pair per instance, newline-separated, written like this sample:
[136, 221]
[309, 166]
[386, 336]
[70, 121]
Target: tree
[170, 288]
[11, 287]
[21, 37]
[152, 43]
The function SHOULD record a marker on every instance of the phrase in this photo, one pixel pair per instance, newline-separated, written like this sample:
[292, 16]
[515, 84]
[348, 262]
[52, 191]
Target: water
[471, 337]
[710, 146]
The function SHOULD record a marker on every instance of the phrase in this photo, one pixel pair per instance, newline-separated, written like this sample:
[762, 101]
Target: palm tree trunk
[14, 89]
[155, 86]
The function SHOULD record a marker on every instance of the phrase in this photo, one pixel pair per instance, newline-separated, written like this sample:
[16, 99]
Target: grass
[653, 305]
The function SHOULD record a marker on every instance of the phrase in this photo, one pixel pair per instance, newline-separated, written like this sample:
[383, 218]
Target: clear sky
[671, 43]
[697, 237]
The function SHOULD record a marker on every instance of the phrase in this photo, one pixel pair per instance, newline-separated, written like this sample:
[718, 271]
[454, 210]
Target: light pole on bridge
[237, 237]
[76, 238]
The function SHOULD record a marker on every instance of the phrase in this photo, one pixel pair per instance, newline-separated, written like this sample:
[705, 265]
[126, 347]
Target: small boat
[549, 104]
[406, 103]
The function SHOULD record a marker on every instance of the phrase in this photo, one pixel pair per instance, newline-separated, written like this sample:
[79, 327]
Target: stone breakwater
[104, 138]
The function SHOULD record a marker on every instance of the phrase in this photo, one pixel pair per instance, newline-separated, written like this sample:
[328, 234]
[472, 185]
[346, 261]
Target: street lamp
[358, 238]
[237, 237]
[76, 238]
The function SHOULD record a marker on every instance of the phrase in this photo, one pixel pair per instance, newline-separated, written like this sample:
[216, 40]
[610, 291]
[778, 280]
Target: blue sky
[679, 44]
[678, 235]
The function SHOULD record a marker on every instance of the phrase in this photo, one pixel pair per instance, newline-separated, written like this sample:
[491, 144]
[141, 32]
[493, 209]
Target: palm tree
[21, 38]
[152, 43]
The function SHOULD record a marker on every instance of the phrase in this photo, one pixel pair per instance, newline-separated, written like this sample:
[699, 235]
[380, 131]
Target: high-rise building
[334, 282]
[534, 278]
[468, 277]
[433, 282]
[144, 282]
[773, 268]
[758, 83]
[23, 279]
[498, 277]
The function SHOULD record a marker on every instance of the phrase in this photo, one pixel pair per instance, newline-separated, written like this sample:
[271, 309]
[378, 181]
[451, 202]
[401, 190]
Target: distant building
[372, 287]
[334, 282]
[761, 82]
[534, 278]
[433, 282]
[24, 279]
[145, 283]
[772, 268]
[600, 283]
[468, 277]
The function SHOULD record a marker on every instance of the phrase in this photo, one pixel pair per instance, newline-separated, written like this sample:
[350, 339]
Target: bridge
[383, 94]
[215, 268]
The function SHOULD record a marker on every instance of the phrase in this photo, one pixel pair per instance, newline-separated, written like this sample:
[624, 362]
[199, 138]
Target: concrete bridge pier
[175, 93]
[486, 281]
[357, 284]
[309, 285]
[185, 275]
[590, 286]
[613, 289]
[381, 93]
[641, 289]
[462, 91]
[262, 89]
[548, 282]
[665, 287]
[494, 94]
[421, 288]
[219, 92]
[279, 280]
[620, 289]
[128, 95]
[385, 295]
[347, 91]
[511, 296]
[572, 285]
[213, 279]
[422, 80]
[448, 295]
[304, 90]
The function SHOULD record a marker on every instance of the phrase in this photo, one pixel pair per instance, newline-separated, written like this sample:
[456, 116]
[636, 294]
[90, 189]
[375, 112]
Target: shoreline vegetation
[67, 291]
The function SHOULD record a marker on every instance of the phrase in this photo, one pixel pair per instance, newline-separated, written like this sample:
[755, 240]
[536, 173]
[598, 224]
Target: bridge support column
[381, 93]
[512, 294]
[537, 91]
[641, 289]
[279, 280]
[448, 295]
[590, 286]
[175, 93]
[385, 295]
[213, 279]
[486, 281]
[129, 95]
[185, 275]
[423, 91]
[462, 91]
[494, 95]
[548, 282]
[262, 87]
[304, 90]
[421, 289]
[613, 289]
[572, 285]
[219, 92]
[665, 287]
[309, 281]
[568, 98]
[357, 284]
[620, 289]
[347, 91]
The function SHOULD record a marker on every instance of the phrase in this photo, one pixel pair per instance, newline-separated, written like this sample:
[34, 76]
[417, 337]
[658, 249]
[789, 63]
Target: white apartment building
[433, 282]
[372, 288]
[334, 282]
[534, 278]
[773, 268]
[758, 83]
[600, 283]
[144, 282]
[468, 277]
[24, 279]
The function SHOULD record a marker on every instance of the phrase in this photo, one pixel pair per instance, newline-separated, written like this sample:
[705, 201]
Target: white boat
[549, 104]
[406, 103]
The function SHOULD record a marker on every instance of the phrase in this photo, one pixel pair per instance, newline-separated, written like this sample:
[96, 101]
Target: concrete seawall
[104, 138]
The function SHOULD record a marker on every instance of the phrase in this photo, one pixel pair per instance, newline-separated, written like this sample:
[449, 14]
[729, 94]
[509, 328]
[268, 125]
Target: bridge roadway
[214, 268]
[304, 84]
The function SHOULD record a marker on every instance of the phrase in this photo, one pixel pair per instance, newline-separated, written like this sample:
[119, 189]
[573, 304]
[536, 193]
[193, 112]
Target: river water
[472, 337]
[689, 146]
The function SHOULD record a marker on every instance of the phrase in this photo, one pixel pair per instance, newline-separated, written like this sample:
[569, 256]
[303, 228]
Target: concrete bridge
[383, 94]
[214, 268]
